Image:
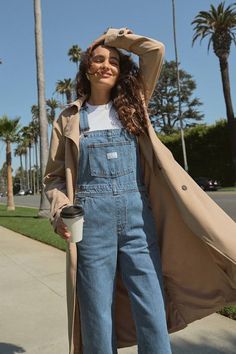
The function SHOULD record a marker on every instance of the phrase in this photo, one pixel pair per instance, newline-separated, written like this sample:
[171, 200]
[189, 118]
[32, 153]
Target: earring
[87, 75]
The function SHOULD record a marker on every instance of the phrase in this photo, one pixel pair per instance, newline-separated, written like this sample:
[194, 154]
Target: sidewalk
[33, 306]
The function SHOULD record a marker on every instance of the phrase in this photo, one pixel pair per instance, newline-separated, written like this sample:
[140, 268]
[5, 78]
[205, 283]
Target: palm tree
[35, 123]
[35, 112]
[219, 25]
[3, 177]
[52, 105]
[8, 133]
[23, 144]
[65, 87]
[20, 151]
[28, 134]
[43, 123]
[74, 54]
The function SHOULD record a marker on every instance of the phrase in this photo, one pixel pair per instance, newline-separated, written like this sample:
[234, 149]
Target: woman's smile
[104, 65]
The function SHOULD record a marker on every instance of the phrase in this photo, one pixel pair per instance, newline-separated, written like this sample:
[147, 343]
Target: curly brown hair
[126, 94]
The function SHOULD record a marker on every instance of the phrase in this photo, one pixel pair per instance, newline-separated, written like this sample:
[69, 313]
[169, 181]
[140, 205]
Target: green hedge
[229, 311]
[208, 151]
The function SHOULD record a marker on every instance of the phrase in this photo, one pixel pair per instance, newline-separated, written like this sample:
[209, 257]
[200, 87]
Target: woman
[138, 201]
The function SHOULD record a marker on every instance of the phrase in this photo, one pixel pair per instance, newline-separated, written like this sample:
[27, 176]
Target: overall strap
[83, 124]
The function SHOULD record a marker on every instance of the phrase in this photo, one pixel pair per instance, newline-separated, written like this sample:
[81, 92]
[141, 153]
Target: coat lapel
[72, 127]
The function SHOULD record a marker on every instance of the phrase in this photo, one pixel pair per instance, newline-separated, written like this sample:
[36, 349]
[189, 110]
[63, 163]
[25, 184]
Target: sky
[79, 22]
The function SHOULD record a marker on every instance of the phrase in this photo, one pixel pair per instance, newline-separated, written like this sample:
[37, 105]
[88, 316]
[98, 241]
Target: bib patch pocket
[110, 159]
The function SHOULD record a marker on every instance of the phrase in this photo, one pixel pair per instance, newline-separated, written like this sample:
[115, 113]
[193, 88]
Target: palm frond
[209, 43]
[218, 20]
[214, 12]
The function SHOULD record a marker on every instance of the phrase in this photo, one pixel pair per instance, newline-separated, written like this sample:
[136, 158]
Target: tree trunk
[33, 181]
[68, 97]
[21, 172]
[37, 166]
[43, 122]
[26, 170]
[224, 69]
[10, 200]
[30, 168]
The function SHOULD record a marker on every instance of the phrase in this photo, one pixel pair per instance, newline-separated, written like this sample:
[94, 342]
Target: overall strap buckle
[83, 124]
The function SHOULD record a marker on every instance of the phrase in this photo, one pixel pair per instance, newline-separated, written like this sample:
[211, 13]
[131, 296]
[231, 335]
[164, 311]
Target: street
[226, 200]
[24, 200]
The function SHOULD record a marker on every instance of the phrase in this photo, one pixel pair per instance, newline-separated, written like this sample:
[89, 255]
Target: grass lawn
[26, 222]
[229, 311]
[227, 189]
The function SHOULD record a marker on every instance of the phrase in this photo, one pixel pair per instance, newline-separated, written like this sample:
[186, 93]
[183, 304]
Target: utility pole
[178, 89]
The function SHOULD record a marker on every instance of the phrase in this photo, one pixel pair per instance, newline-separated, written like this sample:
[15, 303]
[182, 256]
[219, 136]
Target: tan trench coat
[197, 238]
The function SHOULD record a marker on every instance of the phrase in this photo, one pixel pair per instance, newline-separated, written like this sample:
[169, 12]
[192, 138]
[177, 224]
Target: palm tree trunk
[43, 122]
[33, 181]
[224, 69]
[37, 165]
[25, 173]
[26, 170]
[10, 200]
[21, 172]
[30, 168]
[68, 97]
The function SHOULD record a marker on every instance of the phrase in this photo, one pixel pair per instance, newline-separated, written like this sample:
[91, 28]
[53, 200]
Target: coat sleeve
[150, 52]
[54, 179]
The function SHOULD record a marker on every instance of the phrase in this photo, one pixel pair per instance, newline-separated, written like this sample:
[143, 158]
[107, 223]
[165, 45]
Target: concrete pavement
[33, 306]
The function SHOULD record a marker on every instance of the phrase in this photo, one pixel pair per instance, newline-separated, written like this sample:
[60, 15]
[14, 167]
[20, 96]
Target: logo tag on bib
[112, 155]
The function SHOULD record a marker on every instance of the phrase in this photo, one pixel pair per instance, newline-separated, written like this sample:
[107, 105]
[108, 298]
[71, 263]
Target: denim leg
[97, 260]
[139, 263]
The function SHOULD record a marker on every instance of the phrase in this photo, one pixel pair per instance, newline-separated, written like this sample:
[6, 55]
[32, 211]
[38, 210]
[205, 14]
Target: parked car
[28, 192]
[207, 184]
[21, 192]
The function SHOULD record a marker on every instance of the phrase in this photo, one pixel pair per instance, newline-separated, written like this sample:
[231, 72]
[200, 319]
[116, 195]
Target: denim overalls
[119, 233]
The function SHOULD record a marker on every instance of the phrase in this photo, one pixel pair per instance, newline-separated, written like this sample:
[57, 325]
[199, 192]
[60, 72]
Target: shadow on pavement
[224, 344]
[7, 348]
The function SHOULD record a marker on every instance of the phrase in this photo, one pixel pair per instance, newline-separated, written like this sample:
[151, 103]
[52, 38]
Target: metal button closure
[121, 32]
[184, 187]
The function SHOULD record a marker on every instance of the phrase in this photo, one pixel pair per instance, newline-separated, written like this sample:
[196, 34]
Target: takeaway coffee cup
[73, 217]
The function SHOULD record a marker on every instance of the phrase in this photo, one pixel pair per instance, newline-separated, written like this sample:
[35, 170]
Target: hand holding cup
[72, 217]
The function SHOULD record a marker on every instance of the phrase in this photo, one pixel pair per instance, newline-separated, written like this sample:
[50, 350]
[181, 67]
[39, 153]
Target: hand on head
[101, 39]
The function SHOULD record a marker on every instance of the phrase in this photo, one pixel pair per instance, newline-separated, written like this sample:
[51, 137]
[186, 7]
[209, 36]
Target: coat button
[121, 32]
[184, 187]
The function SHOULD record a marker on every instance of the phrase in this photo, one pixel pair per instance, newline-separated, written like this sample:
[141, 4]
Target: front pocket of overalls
[110, 159]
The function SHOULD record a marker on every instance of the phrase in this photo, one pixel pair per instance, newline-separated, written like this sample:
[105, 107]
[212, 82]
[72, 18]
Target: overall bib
[119, 232]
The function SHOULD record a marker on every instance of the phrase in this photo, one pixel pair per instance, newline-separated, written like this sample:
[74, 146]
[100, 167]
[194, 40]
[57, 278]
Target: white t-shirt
[102, 117]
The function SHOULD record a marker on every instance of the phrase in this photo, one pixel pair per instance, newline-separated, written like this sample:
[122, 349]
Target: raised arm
[150, 52]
